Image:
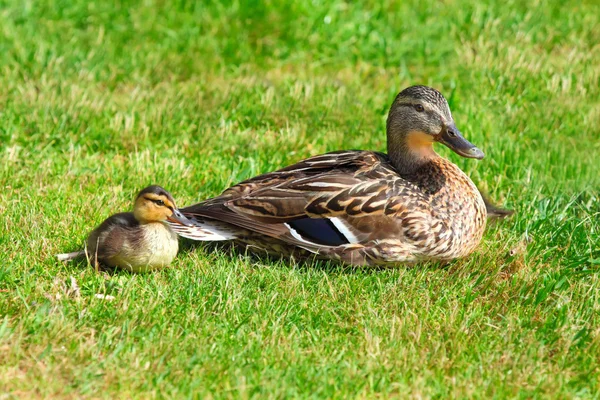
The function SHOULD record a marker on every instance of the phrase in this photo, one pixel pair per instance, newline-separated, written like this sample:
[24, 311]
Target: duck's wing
[322, 201]
[340, 163]
[112, 236]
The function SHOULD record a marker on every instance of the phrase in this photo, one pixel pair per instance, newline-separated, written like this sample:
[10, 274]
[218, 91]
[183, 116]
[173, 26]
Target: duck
[361, 207]
[137, 241]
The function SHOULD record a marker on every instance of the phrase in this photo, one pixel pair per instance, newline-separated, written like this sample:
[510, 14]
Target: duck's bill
[179, 218]
[452, 138]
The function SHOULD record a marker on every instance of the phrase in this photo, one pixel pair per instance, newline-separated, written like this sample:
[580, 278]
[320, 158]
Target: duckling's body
[360, 207]
[137, 241]
[121, 241]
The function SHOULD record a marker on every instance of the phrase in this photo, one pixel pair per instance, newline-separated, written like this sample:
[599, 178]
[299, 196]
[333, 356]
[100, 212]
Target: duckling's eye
[159, 202]
[419, 108]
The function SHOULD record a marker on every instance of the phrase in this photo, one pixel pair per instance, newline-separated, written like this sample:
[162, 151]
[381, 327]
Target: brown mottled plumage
[137, 241]
[360, 207]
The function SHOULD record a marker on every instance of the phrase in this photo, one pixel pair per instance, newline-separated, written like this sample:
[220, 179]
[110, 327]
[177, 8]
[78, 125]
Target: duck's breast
[457, 211]
[155, 246]
[161, 245]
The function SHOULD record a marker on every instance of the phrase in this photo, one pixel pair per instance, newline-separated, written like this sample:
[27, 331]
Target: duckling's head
[420, 116]
[155, 204]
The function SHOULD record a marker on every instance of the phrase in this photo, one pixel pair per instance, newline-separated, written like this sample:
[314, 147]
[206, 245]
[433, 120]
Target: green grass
[99, 99]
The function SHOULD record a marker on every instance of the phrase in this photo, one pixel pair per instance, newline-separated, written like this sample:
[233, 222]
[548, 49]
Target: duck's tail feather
[493, 211]
[70, 256]
[497, 212]
[205, 229]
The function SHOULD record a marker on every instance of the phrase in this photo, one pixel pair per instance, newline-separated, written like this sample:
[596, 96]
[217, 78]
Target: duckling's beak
[451, 137]
[178, 217]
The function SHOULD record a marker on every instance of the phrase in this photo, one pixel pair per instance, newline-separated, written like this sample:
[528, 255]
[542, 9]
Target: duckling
[361, 207]
[137, 241]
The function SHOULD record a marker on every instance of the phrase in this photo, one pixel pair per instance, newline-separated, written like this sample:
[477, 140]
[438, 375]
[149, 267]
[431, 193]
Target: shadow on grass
[235, 250]
[309, 264]
[82, 263]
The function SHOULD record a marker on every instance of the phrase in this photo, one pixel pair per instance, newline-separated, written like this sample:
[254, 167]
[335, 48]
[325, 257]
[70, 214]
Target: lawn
[100, 99]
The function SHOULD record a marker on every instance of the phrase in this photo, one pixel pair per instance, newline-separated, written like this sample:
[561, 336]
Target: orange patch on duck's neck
[421, 145]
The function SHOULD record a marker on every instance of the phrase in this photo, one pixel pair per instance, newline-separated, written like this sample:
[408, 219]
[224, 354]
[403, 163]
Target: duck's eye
[159, 202]
[419, 108]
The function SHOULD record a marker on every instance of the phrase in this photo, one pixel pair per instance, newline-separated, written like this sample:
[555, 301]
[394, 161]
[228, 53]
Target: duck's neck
[151, 223]
[411, 153]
